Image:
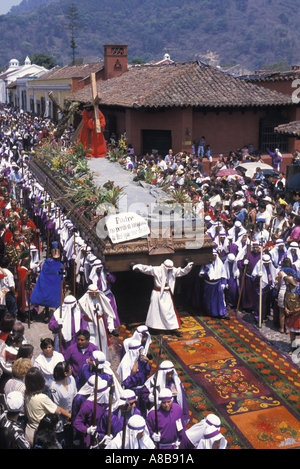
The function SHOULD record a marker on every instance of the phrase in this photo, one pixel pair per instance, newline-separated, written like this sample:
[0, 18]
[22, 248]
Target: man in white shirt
[8, 283]
[162, 164]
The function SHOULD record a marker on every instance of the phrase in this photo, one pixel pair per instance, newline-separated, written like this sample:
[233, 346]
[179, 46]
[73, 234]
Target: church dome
[14, 63]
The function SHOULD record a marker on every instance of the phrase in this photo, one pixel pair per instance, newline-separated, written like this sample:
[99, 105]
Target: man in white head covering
[142, 334]
[84, 421]
[268, 275]
[212, 439]
[170, 422]
[137, 435]
[167, 377]
[232, 275]
[104, 280]
[98, 363]
[98, 316]
[134, 368]
[70, 322]
[195, 434]
[162, 314]
[277, 253]
[214, 276]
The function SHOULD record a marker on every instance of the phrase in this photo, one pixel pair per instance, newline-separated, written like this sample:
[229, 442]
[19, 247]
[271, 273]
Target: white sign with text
[126, 226]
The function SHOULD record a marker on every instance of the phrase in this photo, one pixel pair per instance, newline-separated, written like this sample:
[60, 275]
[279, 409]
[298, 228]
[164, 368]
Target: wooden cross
[96, 98]
[67, 112]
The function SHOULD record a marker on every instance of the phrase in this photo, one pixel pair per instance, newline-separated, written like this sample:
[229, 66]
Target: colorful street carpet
[226, 368]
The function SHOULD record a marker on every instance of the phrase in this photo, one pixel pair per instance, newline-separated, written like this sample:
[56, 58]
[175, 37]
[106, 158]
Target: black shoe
[226, 318]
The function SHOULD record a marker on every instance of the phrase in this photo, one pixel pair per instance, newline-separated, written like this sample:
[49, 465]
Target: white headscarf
[196, 432]
[212, 434]
[138, 335]
[266, 259]
[127, 362]
[231, 259]
[94, 276]
[102, 393]
[105, 365]
[69, 303]
[135, 425]
[215, 270]
[164, 368]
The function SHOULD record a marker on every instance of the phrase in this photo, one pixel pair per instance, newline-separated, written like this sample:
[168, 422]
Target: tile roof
[272, 76]
[72, 71]
[186, 84]
[292, 129]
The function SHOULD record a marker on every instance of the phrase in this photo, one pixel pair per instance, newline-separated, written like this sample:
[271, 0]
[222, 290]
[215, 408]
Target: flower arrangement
[72, 169]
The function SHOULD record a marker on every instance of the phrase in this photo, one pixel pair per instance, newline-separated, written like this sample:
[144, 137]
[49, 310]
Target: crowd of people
[69, 396]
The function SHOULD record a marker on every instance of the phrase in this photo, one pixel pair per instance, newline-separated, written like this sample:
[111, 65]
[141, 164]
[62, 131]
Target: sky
[5, 5]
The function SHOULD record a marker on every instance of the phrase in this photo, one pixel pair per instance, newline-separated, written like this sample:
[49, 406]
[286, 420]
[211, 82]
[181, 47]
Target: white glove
[246, 262]
[260, 274]
[156, 437]
[190, 264]
[151, 398]
[106, 439]
[60, 321]
[223, 286]
[91, 430]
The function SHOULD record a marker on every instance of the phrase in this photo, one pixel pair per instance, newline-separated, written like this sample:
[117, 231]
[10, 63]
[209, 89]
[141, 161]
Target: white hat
[100, 356]
[266, 258]
[137, 423]
[214, 420]
[294, 245]
[168, 263]
[93, 288]
[165, 394]
[15, 401]
[238, 224]
[231, 257]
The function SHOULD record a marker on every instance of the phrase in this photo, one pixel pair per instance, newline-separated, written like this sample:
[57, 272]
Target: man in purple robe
[78, 354]
[170, 422]
[134, 368]
[276, 158]
[70, 323]
[168, 378]
[213, 289]
[84, 421]
[232, 278]
[248, 292]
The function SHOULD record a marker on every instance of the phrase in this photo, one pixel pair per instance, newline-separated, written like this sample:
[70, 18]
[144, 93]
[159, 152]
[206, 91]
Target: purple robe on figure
[85, 373]
[54, 328]
[232, 291]
[248, 293]
[144, 400]
[84, 419]
[213, 295]
[78, 358]
[110, 279]
[136, 382]
[167, 425]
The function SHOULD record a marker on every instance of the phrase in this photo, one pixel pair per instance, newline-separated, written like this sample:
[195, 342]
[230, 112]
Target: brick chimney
[115, 60]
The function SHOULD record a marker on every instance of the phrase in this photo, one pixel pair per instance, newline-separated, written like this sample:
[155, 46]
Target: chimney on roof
[115, 60]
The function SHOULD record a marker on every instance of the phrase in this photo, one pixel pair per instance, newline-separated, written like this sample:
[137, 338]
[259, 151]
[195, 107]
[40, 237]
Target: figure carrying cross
[93, 124]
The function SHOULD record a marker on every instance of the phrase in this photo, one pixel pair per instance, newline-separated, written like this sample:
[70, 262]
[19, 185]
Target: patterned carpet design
[228, 369]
